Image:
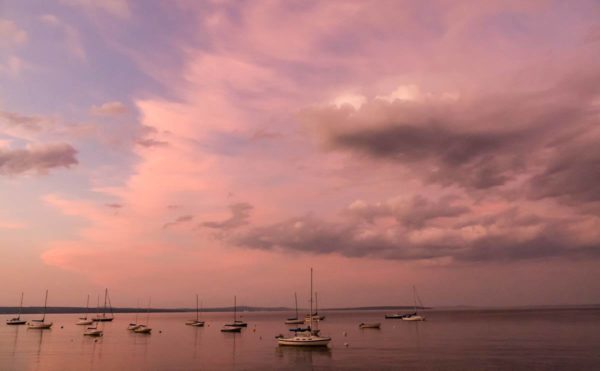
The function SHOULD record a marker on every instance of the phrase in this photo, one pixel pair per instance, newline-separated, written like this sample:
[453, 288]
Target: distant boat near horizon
[375, 325]
[104, 318]
[85, 320]
[415, 316]
[236, 322]
[294, 320]
[145, 329]
[41, 324]
[315, 316]
[195, 322]
[17, 320]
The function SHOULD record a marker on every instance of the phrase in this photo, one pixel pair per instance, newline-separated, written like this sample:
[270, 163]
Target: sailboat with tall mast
[85, 320]
[294, 320]
[195, 322]
[315, 315]
[133, 325]
[105, 318]
[310, 336]
[415, 316]
[41, 324]
[145, 329]
[17, 320]
[236, 325]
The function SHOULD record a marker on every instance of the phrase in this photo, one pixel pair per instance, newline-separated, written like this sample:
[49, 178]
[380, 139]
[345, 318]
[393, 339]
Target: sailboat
[294, 320]
[144, 329]
[40, 324]
[93, 331]
[236, 325]
[84, 320]
[415, 316]
[17, 320]
[133, 325]
[195, 322]
[308, 337]
[104, 318]
[315, 315]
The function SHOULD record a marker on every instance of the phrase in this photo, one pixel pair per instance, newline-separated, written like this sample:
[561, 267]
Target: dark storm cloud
[38, 159]
[240, 213]
[479, 143]
[308, 234]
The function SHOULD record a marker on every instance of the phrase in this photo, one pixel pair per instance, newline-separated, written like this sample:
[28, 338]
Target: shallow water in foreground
[565, 339]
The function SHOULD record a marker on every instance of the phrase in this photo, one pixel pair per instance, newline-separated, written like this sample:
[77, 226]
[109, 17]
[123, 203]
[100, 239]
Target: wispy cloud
[36, 158]
[114, 108]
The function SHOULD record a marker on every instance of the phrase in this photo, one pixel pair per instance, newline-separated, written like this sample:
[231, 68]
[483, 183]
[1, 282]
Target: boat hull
[414, 318]
[304, 341]
[15, 322]
[231, 329]
[143, 330]
[39, 325]
[294, 321]
[84, 322]
[93, 333]
[101, 319]
[195, 323]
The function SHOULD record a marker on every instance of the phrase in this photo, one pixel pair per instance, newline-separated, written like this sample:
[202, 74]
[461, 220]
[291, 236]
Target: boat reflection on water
[304, 357]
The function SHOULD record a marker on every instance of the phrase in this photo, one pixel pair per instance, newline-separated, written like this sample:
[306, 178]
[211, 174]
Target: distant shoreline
[79, 310]
[67, 310]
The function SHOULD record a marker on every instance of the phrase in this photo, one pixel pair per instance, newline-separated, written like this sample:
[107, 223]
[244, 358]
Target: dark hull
[102, 319]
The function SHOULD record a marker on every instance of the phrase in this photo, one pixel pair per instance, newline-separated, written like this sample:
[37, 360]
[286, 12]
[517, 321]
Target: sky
[168, 148]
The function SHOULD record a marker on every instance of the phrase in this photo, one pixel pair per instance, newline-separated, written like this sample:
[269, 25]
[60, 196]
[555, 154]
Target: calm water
[566, 339]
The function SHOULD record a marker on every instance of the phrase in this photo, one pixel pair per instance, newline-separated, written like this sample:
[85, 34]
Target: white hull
[93, 332]
[195, 323]
[414, 318]
[143, 330]
[304, 341]
[84, 322]
[133, 326]
[39, 325]
[294, 321]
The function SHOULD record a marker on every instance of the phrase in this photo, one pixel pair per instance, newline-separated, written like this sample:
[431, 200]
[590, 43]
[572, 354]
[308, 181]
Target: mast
[311, 300]
[45, 303]
[296, 300]
[234, 309]
[110, 305]
[20, 306]
[105, 295]
[87, 307]
[415, 297]
[148, 312]
[196, 307]
[137, 311]
[316, 304]
[98, 307]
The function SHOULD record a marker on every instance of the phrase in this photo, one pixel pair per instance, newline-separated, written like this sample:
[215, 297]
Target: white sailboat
[236, 323]
[84, 320]
[415, 316]
[41, 324]
[315, 316]
[195, 322]
[145, 329]
[133, 325]
[294, 320]
[93, 331]
[104, 317]
[17, 320]
[308, 337]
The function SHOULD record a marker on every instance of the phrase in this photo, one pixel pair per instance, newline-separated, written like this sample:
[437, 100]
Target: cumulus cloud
[113, 108]
[38, 158]
[13, 119]
[240, 214]
[11, 34]
[501, 236]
